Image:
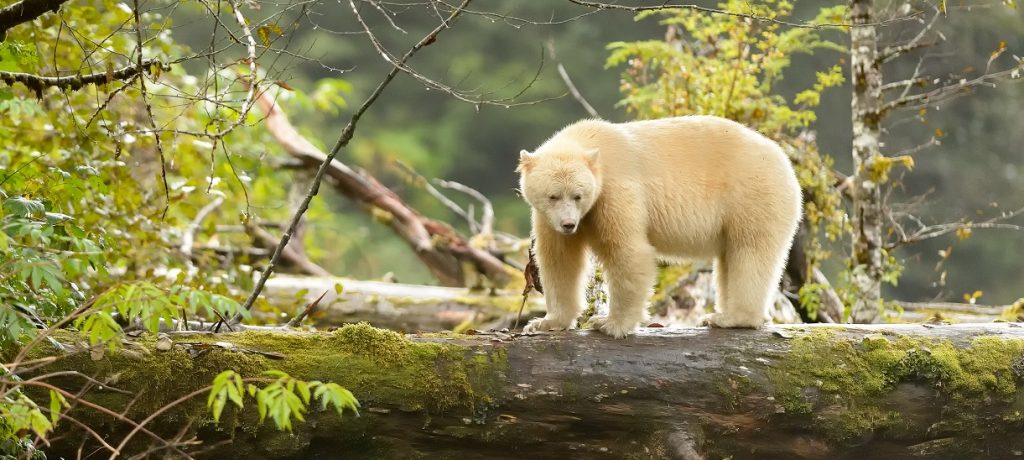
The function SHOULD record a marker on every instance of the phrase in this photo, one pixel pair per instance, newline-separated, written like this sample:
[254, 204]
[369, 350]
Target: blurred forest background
[153, 152]
[76, 154]
[976, 171]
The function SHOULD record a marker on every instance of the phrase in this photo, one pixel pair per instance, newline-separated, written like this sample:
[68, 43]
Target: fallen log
[399, 307]
[809, 392]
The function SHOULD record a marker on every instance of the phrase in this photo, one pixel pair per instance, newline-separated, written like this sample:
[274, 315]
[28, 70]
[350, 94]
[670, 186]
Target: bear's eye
[553, 197]
[576, 197]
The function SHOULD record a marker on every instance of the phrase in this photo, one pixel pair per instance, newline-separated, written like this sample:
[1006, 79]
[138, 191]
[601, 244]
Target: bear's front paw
[724, 321]
[548, 323]
[613, 327]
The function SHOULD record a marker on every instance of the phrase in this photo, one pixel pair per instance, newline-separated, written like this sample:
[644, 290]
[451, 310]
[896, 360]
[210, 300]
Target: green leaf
[57, 401]
[23, 207]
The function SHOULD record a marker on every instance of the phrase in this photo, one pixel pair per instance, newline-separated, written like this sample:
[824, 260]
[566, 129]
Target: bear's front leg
[562, 262]
[631, 271]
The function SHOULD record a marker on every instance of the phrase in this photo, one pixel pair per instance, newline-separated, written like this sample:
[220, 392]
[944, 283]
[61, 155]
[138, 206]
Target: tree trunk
[401, 307]
[866, 72]
[809, 392]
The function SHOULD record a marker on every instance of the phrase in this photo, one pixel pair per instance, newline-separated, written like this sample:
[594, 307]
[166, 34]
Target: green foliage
[150, 305]
[731, 66]
[282, 399]
[723, 65]
[84, 220]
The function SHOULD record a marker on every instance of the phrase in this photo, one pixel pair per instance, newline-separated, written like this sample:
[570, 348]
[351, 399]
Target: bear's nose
[568, 226]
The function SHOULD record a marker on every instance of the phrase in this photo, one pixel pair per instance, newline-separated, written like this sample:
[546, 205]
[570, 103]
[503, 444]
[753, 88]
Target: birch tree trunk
[866, 72]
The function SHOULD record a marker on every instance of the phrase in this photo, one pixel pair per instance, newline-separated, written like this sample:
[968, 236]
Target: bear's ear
[591, 157]
[525, 161]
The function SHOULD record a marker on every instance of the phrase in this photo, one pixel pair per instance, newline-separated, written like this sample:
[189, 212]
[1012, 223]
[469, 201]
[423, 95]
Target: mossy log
[400, 307]
[807, 392]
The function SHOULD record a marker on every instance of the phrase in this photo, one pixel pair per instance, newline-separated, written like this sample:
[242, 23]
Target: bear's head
[560, 185]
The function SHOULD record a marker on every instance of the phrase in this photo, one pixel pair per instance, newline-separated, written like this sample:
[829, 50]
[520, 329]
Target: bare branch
[431, 83]
[569, 84]
[487, 219]
[343, 140]
[892, 52]
[25, 11]
[452, 206]
[925, 232]
[951, 91]
[916, 81]
[75, 82]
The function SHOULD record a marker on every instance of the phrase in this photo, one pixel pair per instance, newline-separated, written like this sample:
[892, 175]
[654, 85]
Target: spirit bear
[630, 193]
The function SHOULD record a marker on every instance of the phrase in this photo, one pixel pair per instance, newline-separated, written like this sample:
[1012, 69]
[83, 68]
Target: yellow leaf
[938, 132]
[963, 233]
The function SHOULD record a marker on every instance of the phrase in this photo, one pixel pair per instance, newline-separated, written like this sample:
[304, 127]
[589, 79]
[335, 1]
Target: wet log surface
[813, 392]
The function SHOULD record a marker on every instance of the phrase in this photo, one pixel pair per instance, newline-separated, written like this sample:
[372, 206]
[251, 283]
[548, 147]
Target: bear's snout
[568, 226]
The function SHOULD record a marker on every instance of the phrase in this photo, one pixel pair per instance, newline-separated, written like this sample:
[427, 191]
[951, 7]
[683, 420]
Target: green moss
[734, 388]
[824, 369]
[380, 367]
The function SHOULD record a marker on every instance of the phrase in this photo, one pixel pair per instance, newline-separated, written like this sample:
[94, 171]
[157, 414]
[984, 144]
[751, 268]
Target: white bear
[684, 187]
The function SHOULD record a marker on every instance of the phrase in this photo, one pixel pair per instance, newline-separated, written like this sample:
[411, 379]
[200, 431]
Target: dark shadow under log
[790, 392]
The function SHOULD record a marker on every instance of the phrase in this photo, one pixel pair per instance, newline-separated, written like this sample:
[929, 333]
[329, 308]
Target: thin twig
[121, 417]
[569, 84]
[149, 110]
[343, 140]
[452, 206]
[297, 320]
[487, 218]
[953, 90]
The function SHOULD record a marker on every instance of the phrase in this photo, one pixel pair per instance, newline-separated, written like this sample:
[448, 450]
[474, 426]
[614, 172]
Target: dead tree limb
[902, 391]
[438, 246]
[25, 11]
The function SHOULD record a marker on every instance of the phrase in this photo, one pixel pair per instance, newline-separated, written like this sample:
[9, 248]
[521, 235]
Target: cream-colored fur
[694, 187]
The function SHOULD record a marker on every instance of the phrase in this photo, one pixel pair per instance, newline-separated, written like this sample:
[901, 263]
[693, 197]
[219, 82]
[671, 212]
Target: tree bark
[866, 73]
[808, 392]
[25, 11]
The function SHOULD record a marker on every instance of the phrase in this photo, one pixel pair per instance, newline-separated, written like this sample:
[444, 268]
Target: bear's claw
[614, 328]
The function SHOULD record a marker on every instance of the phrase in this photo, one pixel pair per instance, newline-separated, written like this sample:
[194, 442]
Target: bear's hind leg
[562, 261]
[631, 272]
[747, 280]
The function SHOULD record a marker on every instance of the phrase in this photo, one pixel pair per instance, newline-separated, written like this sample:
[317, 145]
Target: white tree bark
[866, 72]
